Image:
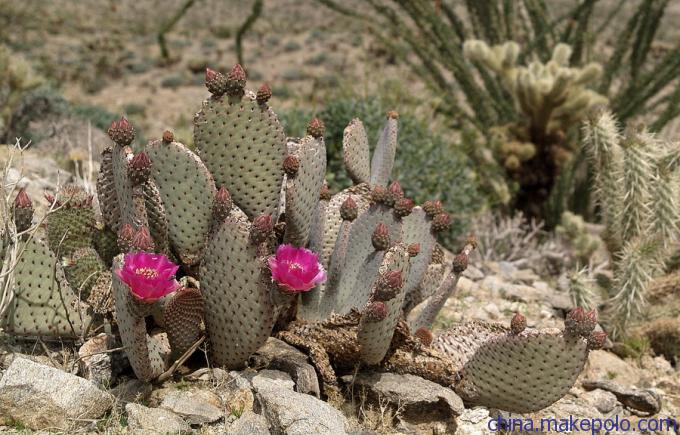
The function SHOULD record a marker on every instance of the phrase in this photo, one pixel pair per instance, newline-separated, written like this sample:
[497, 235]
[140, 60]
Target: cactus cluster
[221, 213]
[636, 188]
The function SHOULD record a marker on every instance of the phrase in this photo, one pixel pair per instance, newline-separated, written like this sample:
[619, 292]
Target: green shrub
[97, 115]
[434, 166]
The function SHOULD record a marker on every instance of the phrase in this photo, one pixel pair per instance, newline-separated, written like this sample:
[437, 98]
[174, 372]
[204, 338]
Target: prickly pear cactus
[71, 224]
[242, 143]
[183, 319]
[43, 303]
[236, 287]
[355, 152]
[383, 156]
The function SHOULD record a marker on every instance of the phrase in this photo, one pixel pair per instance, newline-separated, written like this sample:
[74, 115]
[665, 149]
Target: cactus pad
[106, 191]
[183, 318]
[243, 145]
[383, 156]
[82, 270]
[187, 190]
[355, 152]
[302, 190]
[236, 288]
[43, 303]
[70, 226]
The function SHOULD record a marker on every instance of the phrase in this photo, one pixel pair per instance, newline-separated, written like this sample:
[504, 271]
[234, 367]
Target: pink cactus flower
[149, 276]
[296, 270]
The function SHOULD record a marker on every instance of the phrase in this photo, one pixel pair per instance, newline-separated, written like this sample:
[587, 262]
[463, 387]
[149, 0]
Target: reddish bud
[216, 82]
[413, 249]
[349, 210]
[142, 240]
[433, 208]
[22, 200]
[379, 195]
[23, 211]
[168, 137]
[580, 323]
[404, 207]
[262, 228]
[139, 168]
[264, 94]
[325, 192]
[122, 132]
[388, 285]
[518, 323]
[395, 190]
[375, 312]
[380, 237]
[291, 165]
[126, 235]
[460, 263]
[596, 340]
[222, 204]
[316, 128]
[425, 336]
[441, 222]
[236, 80]
[393, 114]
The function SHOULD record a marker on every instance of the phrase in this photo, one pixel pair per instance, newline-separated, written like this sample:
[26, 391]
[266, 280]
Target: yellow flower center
[147, 272]
[295, 265]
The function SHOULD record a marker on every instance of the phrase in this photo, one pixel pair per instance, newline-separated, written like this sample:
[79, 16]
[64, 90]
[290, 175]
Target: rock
[647, 401]
[420, 402]
[98, 366]
[603, 365]
[146, 421]
[236, 393]
[473, 421]
[272, 379]
[473, 273]
[603, 401]
[292, 413]
[276, 354]
[526, 276]
[249, 424]
[45, 397]
[195, 406]
[132, 390]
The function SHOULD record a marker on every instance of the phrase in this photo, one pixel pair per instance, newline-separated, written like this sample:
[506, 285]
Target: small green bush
[429, 165]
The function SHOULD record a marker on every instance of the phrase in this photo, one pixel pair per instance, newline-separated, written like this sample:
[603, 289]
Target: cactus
[636, 186]
[378, 277]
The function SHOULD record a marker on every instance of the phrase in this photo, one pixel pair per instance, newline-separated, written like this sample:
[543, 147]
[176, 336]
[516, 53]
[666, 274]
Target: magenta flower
[149, 276]
[296, 270]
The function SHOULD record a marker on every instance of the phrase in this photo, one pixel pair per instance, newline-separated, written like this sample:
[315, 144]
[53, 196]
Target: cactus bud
[216, 82]
[425, 336]
[325, 192]
[413, 249]
[388, 285]
[23, 211]
[168, 137]
[375, 312]
[433, 208]
[349, 210]
[291, 165]
[122, 132]
[379, 195]
[222, 204]
[441, 222]
[596, 340]
[403, 207]
[139, 168]
[142, 241]
[264, 94]
[395, 193]
[51, 199]
[580, 323]
[518, 323]
[393, 114]
[236, 80]
[460, 263]
[316, 128]
[380, 237]
[262, 228]
[126, 235]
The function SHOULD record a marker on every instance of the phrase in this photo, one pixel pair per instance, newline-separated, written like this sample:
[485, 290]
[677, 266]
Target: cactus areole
[296, 270]
[149, 276]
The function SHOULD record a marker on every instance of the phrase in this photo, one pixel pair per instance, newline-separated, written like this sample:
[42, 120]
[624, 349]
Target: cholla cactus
[234, 221]
[636, 188]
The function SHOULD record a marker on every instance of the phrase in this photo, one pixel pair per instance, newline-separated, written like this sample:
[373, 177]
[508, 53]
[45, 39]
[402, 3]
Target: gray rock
[647, 401]
[420, 402]
[603, 401]
[96, 364]
[292, 413]
[249, 424]
[45, 397]
[473, 421]
[276, 354]
[146, 421]
[196, 406]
